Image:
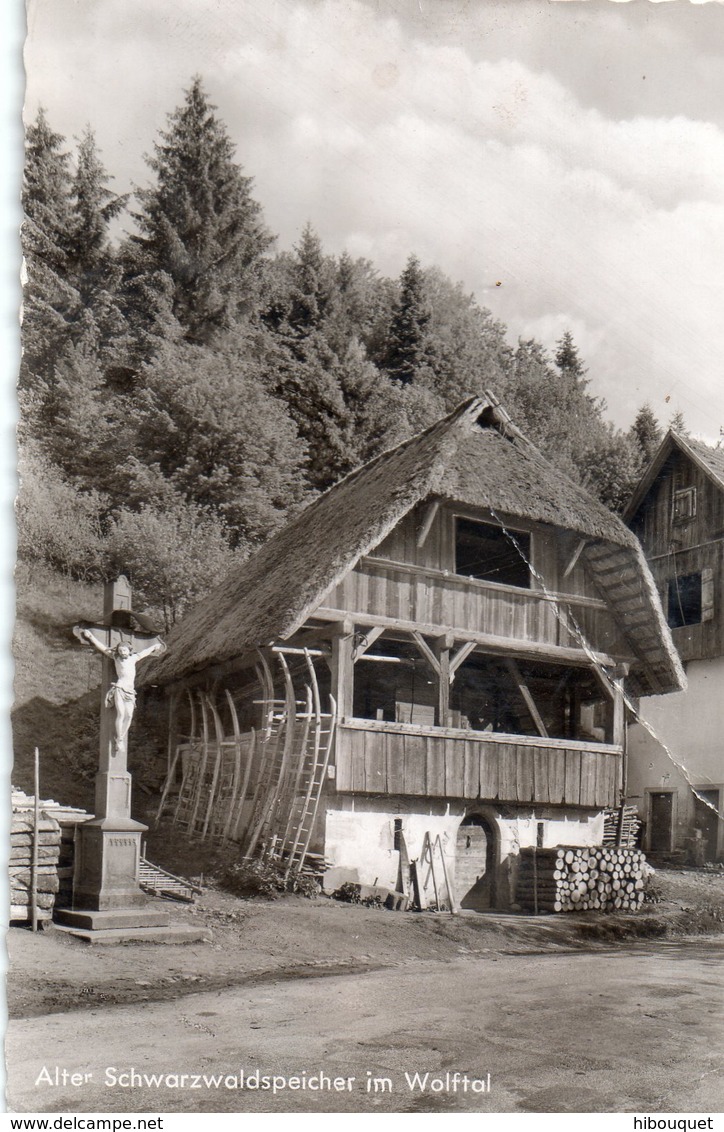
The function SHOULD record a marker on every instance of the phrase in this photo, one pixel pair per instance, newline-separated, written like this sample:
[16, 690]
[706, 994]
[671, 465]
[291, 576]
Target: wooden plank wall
[427, 598]
[374, 761]
[697, 545]
[653, 523]
[406, 582]
[551, 549]
[706, 640]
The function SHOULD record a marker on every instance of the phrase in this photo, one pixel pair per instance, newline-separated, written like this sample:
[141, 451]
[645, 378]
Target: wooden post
[343, 669]
[444, 680]
[36, 836]
[619, 721]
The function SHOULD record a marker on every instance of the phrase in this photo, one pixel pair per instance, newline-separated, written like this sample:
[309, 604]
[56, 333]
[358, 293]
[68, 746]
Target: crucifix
[106, 891]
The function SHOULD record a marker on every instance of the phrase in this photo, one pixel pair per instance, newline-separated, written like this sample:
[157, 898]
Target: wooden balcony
[417, 595]
[394, 758]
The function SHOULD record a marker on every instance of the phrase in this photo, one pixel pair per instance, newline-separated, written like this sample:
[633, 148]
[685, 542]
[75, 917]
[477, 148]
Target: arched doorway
[475, 863]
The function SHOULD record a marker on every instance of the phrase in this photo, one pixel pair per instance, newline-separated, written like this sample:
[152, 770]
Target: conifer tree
[51, 303]
[646, 433]
[678, 424]
[93, 207]
[407, 337]
[312, 284]
[569, 362]
[91, 260]
[199, 223]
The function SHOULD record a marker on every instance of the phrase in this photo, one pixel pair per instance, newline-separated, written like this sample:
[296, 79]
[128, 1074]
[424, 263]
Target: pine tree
[569, 362]
[199, 224]
[646, 433]
[678, 424]
[405, 351]
[51, 303]
[93, 208]
[312, 284]
[91, 260]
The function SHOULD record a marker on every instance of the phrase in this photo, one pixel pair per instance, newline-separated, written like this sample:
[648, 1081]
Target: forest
[187, 385]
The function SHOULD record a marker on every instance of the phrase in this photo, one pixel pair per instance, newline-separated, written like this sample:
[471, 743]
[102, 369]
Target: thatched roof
[474, 456]
[709, 460]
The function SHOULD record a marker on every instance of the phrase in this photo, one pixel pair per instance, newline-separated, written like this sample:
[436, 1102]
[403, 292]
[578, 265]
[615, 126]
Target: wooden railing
[432, 597]
[393, 758]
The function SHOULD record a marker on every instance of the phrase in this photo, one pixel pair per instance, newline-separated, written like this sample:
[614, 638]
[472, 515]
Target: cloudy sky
[571, 152]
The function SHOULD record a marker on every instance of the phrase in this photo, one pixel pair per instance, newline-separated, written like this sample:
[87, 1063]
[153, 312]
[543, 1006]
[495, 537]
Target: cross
[116, 707]
[106, 888]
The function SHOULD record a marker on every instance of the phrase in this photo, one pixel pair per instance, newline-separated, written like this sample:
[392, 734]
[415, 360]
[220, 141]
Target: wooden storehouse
[437, 645]
[677, 512]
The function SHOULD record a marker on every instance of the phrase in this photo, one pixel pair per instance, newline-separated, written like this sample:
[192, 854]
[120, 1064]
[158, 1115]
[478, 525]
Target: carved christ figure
[122, 693]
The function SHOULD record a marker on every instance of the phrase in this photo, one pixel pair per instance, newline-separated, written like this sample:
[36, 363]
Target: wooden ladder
[312, 772]
[427, 857]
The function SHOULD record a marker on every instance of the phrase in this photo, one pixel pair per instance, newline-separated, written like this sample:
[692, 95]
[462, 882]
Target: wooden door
[661, 822]
[707, 820]
[474, 863]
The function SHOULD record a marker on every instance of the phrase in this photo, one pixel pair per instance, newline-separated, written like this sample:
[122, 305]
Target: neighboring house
[438, 644]
[677, 512]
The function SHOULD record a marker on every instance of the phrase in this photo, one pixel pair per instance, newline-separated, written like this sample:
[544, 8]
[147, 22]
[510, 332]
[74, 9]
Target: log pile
[56, 833]
[21, 850]
[576, 879]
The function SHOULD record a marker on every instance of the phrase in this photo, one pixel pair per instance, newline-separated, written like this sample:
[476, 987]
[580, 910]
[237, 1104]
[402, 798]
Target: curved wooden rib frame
[288, 758]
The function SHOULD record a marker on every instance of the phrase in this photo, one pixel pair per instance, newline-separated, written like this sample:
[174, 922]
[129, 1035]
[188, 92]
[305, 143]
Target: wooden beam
[526, 650]
[368, 639]
[460, 581]
[462, 654]
[343, 669]
[481, 737]
[427, 522]
[444, 680]
[288, 650]
[524, 690]
[619, 713]
[618, 729]
[426, 651]
[574, 558]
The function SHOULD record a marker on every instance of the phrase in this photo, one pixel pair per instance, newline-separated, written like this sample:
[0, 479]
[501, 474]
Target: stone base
[121, 919]
[170, 933]
[107, 855]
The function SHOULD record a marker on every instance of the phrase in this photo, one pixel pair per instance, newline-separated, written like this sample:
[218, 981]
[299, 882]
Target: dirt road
[637, 1029]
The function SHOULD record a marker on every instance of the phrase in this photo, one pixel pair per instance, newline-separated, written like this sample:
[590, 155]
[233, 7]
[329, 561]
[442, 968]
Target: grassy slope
[57, 696]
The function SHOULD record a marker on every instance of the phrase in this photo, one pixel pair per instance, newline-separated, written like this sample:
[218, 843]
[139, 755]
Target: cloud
[392, 142]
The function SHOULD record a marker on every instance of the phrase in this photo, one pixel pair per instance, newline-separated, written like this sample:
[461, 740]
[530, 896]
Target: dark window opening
[394, 682]
[487, 552]
[490, 694]
[684, 601]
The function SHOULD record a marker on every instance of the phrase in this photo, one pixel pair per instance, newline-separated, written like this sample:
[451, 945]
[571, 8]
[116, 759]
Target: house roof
[474, 456]
[709, 460]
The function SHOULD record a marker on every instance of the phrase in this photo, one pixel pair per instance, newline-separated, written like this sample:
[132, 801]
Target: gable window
[485, 551]
[683, 504]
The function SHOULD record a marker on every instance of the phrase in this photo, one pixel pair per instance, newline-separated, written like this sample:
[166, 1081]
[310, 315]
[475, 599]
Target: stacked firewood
[621, 829]
[56, 833]
[575, 879]
[21, 866]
